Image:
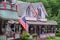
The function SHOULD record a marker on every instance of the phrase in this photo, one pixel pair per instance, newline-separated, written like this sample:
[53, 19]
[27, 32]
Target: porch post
[28, 28]
[35, 28]
[0, 27]
[4, 4]
[46, 28]
[51, 29]
[39, 29]
[54, 29]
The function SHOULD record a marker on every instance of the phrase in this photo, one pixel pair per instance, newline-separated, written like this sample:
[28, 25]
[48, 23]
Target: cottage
[35, 15]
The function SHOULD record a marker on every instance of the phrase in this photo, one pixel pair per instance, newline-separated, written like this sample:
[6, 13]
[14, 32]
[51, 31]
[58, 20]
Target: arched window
[39, 13]
[28, 11]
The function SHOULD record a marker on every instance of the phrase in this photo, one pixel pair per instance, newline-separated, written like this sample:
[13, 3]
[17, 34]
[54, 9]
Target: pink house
[35, 15]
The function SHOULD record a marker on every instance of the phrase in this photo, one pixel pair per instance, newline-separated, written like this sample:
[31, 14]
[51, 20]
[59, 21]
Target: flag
[24, 24]
[32, 10]
[39, 13]
[36, 10]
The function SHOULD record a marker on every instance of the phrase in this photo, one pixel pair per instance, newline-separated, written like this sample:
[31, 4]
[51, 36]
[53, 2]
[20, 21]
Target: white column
[35, 28]
[40, 29]
[54, 29]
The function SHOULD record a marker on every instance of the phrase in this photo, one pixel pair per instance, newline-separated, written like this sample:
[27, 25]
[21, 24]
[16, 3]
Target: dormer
[41, 16]
[25, 9]
[41, 12]
[29, 11]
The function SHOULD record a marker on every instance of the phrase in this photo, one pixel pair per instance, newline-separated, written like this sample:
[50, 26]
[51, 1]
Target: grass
[57, 38]
[54, 38]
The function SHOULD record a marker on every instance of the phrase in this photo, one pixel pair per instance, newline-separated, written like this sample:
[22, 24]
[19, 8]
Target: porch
[42, 29]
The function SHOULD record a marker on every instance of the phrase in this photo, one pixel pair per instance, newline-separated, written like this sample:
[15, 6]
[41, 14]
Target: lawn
[54, 38]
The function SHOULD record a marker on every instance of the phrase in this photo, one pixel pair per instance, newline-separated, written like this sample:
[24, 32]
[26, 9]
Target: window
[1, 4]
[10, 1]
[6, 0]
[28, 11]
[39, 13]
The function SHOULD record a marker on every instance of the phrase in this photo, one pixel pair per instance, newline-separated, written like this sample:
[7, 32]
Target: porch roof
[8, 15]
[42, 23]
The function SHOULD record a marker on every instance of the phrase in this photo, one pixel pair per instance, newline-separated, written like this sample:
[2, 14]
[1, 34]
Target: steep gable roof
[39, 5]
[32, 10]
[22, 8]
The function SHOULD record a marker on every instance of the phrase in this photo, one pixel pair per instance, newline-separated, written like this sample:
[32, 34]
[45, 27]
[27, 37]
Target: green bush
[25, 36]
[58, 34]
[50, 38]
[34, 35]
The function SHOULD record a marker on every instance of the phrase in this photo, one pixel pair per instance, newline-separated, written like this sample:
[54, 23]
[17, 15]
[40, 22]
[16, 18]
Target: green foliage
[50, 38]
[53, 38]
[57, 37]
[34, 35]
[58, 34]
[25, 36]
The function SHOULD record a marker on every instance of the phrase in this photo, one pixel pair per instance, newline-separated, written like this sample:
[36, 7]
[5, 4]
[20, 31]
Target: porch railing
[8, 6]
